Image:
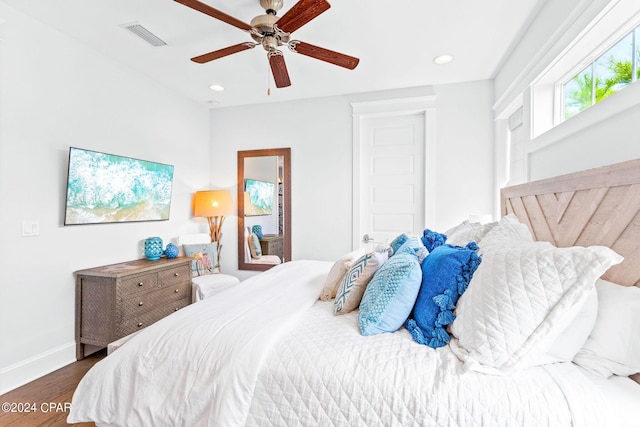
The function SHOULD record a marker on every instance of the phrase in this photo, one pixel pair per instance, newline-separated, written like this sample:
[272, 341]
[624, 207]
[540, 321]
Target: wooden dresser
[272, 244]
[113, 301]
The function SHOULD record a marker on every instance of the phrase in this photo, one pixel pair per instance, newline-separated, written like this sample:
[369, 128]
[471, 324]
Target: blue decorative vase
[153, 248]
[257, 230]
[171, 251]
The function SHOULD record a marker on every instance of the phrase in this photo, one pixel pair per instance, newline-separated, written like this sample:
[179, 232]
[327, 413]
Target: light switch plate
[30, 228]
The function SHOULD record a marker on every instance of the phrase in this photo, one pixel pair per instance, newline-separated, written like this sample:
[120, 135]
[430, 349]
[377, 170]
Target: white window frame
[615, 21]
[559, 107]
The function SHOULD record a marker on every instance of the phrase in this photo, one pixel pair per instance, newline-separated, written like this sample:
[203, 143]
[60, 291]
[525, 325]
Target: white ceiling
[396, 42]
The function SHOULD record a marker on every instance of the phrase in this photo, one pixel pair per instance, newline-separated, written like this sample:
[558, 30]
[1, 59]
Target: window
[601, 60]
[608, 74]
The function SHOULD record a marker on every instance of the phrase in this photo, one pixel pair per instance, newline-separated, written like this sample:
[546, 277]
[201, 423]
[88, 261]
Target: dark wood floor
[47, 399]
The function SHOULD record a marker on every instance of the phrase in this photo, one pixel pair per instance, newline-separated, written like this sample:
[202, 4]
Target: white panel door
[391, 176]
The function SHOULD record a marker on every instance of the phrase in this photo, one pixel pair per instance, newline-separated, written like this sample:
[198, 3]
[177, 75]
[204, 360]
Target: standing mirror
[264, 208]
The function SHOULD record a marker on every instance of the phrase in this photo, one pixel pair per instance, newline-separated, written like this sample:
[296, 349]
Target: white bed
[268, 353]
[310, 379]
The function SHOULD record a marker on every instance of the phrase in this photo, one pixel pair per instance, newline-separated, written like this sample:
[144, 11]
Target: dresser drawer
[272, 245]
[172, 276]
[146, 301]
[114, 300]
[277, 246]
[141, 321]
[139, 283]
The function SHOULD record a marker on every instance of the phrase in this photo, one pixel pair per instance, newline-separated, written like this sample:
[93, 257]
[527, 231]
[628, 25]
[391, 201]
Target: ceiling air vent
[144, 34]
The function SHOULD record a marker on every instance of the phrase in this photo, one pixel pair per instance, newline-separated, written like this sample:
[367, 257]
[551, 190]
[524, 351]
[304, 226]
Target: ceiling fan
[271, 32]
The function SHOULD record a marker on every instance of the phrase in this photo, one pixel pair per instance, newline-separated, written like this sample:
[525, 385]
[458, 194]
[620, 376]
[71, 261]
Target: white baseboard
[18, 374]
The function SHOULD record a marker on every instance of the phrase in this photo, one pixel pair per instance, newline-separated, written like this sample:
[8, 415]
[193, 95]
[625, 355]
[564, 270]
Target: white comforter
[319, 375]
[264, 354]
[199, 365]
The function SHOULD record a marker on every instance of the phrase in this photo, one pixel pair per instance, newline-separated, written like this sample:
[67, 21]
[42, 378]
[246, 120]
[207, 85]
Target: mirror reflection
[264, 206]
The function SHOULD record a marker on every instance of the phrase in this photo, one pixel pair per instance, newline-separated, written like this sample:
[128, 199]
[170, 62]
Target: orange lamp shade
[212, 203]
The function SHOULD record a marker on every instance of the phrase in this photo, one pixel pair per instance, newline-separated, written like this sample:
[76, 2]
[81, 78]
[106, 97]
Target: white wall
[604, 134]
[55, 93]
[319, 133]
[464, 154]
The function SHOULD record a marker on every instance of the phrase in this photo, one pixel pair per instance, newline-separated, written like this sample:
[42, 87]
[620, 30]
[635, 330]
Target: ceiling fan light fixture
[270, 43]
[271, 6]
[216, 88]
[443, 59]
[264, 23]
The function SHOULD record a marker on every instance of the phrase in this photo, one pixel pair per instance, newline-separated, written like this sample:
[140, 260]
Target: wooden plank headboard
[594, 207]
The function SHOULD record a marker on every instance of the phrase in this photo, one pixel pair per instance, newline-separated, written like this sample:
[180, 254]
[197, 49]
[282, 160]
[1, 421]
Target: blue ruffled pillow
[446, 273]
[432, 239]
[391, 294]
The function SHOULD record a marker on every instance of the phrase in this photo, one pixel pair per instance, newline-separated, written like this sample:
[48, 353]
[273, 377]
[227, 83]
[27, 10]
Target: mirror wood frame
[285, 153]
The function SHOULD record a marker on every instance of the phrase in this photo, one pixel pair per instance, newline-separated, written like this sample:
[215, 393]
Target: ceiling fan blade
[301, 13]
[323, 54]
[279, 68]
[217, 54]
[215, 13]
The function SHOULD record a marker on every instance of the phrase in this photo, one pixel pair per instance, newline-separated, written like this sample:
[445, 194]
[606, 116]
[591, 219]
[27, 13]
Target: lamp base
[215, 231]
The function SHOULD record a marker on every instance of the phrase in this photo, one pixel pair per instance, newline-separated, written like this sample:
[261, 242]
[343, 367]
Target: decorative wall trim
[388, 107]
[20, 373]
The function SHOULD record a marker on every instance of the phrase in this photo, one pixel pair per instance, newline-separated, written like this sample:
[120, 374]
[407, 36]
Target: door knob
[367, 239]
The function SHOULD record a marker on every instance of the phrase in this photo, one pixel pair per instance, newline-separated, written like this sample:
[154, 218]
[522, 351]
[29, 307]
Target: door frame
[425, 105]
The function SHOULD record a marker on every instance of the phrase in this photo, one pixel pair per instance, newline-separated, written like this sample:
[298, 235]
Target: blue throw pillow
[398, 242]
[391, 294]
[257, 230]
[413, 246]
[432, 239]
[446, 273]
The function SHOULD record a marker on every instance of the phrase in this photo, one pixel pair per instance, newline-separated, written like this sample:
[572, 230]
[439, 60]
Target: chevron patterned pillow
[356, 280]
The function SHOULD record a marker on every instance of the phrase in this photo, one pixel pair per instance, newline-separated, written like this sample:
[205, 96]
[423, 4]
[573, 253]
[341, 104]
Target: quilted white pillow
[507, 230]
[518, 300]
[467, 231]
[613, 348]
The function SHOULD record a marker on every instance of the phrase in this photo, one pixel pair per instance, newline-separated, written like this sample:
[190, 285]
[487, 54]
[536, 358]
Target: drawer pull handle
[176, 309]
[140, 304]
[176, 274]
[140, 284]
[177, 290]
[139, 324]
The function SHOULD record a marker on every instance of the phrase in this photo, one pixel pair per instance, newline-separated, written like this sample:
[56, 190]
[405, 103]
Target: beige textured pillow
[337, 273]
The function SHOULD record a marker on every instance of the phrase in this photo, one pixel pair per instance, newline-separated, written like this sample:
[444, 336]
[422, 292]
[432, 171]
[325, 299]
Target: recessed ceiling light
[443, 59]
[216, 88]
